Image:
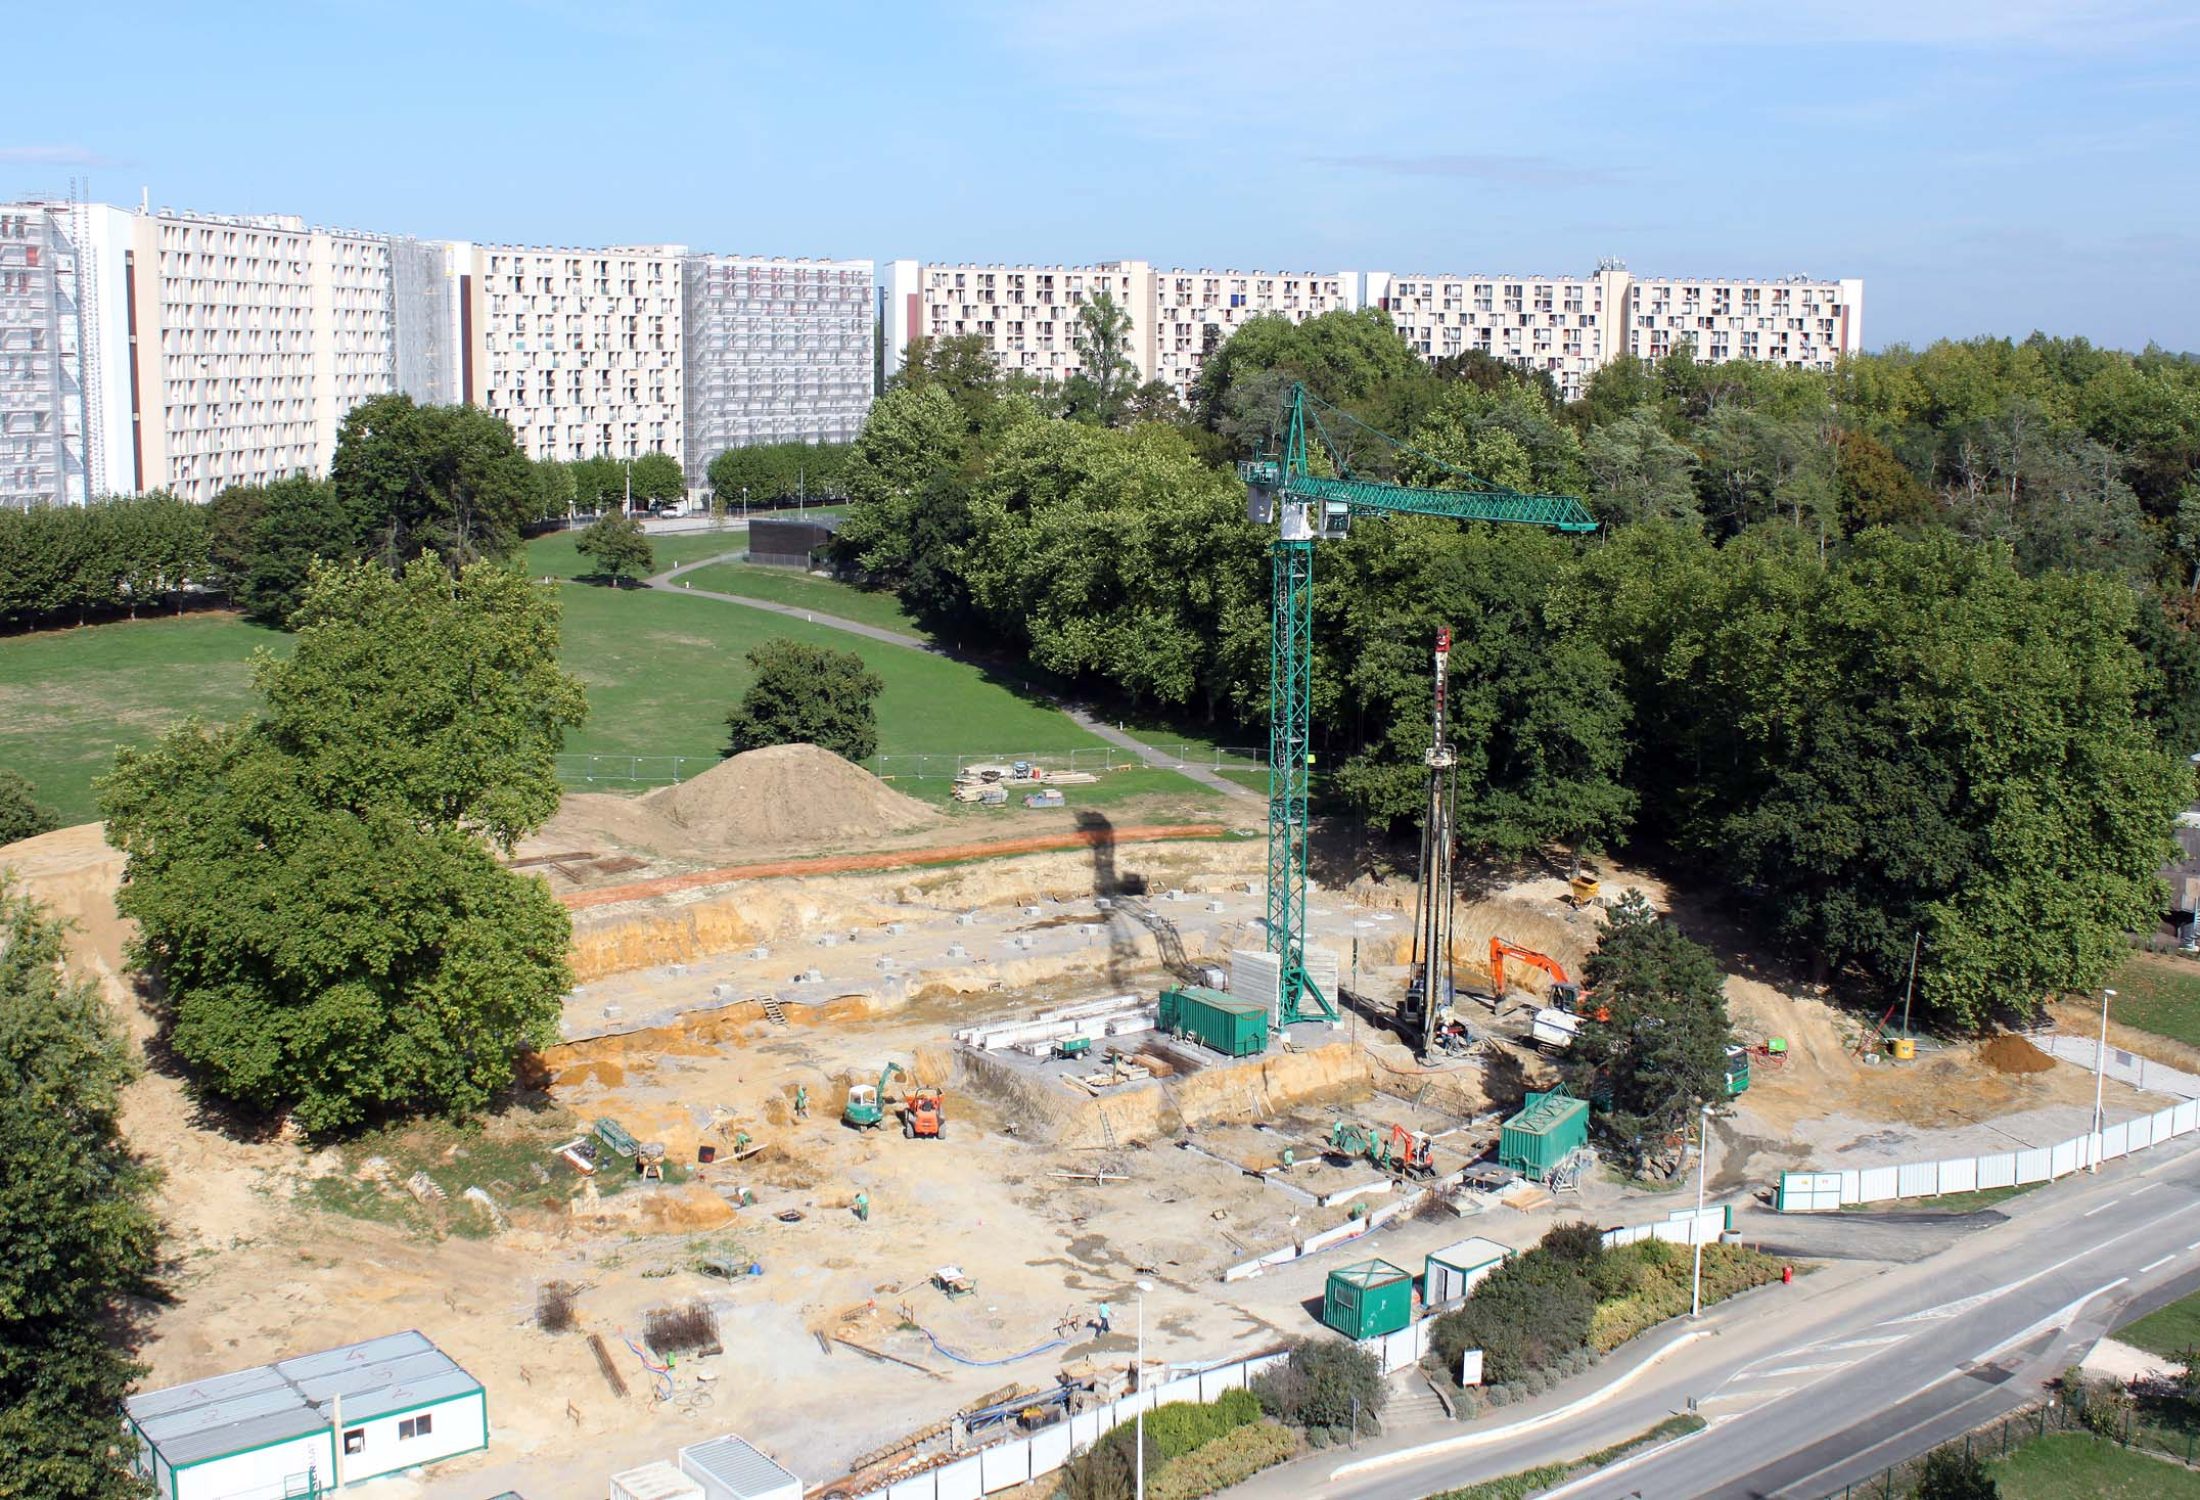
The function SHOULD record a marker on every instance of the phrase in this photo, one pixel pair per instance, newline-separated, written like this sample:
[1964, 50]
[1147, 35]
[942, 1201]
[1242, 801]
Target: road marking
[2151, 1265]
[1891, 1338]
[2148, 1188]
[1838, 1364]
[2061, 1317]
[2104, 1208]
[1771, 1395]
[1980, 1299]
[1564, 1413]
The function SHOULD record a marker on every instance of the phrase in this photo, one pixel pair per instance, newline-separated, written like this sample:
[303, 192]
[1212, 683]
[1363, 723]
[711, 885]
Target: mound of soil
[2013, 1054]
[787, 794]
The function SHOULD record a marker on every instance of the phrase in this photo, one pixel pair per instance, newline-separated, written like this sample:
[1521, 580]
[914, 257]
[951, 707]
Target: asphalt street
[1858, 1365]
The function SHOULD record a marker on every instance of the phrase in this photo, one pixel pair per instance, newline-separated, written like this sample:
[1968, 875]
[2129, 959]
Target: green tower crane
[1281, 489]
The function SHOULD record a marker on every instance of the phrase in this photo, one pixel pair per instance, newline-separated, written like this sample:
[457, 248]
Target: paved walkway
[1160, 759]
[2125, 1067]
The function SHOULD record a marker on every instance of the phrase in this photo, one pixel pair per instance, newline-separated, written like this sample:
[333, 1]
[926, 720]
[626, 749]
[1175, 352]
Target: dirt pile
[787, 794]
[782, 798]
[75, 874]
[2014, 1054]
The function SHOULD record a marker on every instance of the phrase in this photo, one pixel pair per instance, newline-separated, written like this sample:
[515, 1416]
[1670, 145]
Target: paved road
[667, 580]
[1855, 1367]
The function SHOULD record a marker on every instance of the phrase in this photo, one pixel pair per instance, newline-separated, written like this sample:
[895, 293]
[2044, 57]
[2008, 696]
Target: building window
[355, 1441]
[412, 1427]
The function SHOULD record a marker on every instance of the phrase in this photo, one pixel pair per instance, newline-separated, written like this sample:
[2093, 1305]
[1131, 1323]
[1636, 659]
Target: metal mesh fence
[2166, 1429]
[614, 772]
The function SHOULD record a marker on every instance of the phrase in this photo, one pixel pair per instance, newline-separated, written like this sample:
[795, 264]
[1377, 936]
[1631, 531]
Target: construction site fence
[1823, 1192]
[618, 772]
[1021, 1460]
[2128, 1426]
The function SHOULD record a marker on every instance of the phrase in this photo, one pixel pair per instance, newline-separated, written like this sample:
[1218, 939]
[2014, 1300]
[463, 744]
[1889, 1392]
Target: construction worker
[1106, 1318]
[801, 1101]
[863, 1207]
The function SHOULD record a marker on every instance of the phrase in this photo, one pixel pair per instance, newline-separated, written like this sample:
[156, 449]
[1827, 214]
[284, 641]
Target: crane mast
[1282, 488]
[1428, 989]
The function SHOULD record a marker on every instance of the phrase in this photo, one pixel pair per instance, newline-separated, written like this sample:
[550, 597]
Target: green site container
[1368, 1300]
[1231, 1026]
[1547, 1130]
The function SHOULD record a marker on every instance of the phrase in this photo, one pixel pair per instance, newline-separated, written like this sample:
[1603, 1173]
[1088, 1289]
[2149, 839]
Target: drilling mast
[1429, 982]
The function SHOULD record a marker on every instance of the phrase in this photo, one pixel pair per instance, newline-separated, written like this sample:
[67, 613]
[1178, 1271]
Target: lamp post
[1695, 1230]
[2100, 1072]
[1138, 1433]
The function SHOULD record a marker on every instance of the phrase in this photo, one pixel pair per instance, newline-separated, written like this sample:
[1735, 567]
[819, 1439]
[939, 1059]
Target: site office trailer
[282, 1468]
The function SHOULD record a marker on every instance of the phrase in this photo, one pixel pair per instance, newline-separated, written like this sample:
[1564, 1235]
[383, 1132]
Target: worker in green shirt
[863, 1207]
[801, 1101]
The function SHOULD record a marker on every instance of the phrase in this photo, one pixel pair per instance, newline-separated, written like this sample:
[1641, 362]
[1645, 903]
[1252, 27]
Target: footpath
[1160, 760]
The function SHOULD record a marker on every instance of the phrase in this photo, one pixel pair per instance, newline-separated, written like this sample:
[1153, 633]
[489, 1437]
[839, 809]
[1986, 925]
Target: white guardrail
[1021, 1460]
[1819, 1192]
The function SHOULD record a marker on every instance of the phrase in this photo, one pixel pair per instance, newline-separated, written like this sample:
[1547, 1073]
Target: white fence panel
[1005, 1465]
[2188, 1115]
[1085, 1429]
[1050, 1449]
[1212, 1383]
[1998, 1170]
[2035, 1165]
[2139, 1133]
[2066, 1157]
[1186, 1389]
[1917, 1179]
[1877, 1184]
[2165, 1125]
[920, 1487]
[1959, 1175]
[959, 1481]
[1255, 1368]
[2115, 1141]
[1851, 1186]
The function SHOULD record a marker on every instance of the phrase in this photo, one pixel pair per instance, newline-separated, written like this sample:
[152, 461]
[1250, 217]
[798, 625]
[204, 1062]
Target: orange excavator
[1565, 994]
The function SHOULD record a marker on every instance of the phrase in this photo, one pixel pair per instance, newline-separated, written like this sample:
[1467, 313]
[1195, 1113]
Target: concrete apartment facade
[1800, 323]
[579, 350]
[777, 351]
[1029, 315]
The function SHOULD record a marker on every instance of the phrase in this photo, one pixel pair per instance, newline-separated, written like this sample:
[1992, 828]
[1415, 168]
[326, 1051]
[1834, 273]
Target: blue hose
[1006, 1359]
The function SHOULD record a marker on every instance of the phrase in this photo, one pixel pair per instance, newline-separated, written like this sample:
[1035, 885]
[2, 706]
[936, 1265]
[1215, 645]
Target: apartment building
[65, 412]
[1565, 326]
[1195, 312]
[776, 351]
[579, 350]
[1801, 323]
[1571, 327]
[1029, 315]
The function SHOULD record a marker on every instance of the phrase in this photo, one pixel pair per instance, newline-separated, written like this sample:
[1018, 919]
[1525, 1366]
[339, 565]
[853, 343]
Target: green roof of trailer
[1371, 1273]
[1237, 1005]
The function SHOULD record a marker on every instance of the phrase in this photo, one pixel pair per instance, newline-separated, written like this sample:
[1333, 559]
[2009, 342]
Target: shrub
[1230, 1459]
[1181, 1426]
[1105, 1470]
[1321, 1384]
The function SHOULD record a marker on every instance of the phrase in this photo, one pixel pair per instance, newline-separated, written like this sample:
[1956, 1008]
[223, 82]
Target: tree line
[64, 565]
[1904, 652]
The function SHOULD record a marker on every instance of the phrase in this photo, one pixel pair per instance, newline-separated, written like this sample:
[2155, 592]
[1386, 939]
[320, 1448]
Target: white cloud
[53, 156]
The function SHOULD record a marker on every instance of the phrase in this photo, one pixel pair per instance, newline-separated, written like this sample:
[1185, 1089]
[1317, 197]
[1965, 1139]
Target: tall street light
[1695, 1230]
[2100, 1071]
[1138, 1433]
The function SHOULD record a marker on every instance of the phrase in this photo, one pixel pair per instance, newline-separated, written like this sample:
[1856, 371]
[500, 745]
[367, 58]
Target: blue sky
[1988, 166]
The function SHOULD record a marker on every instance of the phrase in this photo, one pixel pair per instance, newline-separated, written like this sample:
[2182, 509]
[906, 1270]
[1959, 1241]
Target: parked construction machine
[1406, 1153]
[866, 1106]
[924, 1114]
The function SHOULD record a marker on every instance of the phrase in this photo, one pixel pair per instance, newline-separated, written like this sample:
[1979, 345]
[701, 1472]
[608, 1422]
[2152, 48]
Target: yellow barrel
[1904, 1048]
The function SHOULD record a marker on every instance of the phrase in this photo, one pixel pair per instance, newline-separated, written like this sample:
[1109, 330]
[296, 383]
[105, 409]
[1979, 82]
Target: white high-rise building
[1029, 316]
[579, 350]
[1569, 327]
[777, 351]
[65, 371]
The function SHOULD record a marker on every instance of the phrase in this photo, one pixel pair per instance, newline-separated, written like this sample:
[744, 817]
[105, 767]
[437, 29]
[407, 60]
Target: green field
[2167, 1331]
[804, 591]
[556, 555]
[69, 697]
[2158, 994]
[2079, 1466]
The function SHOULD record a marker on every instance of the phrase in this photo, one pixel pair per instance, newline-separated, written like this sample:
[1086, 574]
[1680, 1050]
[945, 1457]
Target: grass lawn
[69, 697]
[1951, 1203]
[2079, 1466]
[786, 586]
[2167, 1331]
[557, 556]
[2160, 994]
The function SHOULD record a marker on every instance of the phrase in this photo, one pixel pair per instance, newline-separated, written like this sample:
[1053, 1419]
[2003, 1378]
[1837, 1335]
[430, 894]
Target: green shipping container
[1368, 1300]
[1548, 1129]
[1229, 1025]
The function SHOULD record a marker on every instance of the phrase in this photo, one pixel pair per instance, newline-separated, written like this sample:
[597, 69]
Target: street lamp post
[1138, 1433]
[2100, 1073]
[1695, 1230]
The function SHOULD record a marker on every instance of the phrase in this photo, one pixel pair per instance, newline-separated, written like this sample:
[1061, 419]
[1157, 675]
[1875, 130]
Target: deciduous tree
[617, 542]
[807, 695]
